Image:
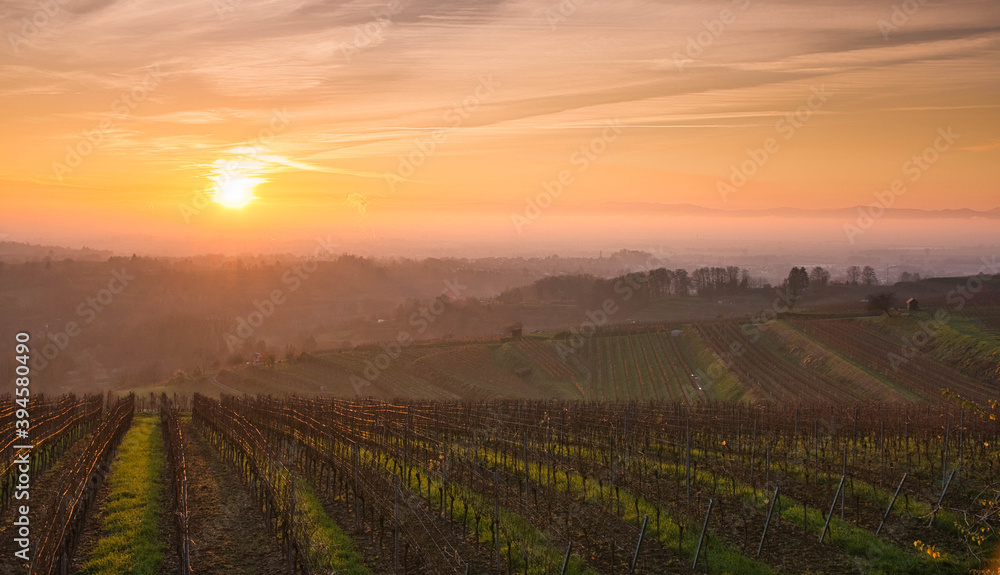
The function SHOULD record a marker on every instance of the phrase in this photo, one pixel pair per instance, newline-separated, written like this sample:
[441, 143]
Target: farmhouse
[516, 330]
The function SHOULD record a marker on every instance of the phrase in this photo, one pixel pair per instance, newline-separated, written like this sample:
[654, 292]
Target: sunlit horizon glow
[387, 118]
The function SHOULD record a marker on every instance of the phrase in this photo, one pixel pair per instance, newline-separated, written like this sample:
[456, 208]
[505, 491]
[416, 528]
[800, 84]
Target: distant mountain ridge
[692, 209]
[16, 252]
[961, 213]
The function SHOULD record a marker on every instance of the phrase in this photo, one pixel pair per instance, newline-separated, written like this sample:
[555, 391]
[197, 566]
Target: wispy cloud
[354, 118]
[993, 144]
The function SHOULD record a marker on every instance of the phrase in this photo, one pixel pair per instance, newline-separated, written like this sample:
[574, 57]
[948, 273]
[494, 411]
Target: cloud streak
[352, 117]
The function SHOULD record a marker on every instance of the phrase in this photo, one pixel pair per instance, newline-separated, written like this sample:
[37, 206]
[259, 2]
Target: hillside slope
[798, 358]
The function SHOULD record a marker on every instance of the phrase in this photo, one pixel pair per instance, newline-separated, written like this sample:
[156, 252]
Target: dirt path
[43, 490]
[227, 532]
[91, 528]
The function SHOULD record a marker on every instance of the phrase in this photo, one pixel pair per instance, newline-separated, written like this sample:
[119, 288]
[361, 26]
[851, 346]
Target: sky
[223, 124]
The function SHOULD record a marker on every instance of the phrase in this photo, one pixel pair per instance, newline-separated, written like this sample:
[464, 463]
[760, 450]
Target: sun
[234, 182]
[236, 191]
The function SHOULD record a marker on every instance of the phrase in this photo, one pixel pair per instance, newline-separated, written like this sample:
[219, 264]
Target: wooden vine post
[701, 539]
[767, 521]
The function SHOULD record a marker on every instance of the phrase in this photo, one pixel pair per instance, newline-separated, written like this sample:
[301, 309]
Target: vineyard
[540, 487]
[797, 357]
[69, 495]
[57, 424]
[811, 443]
[643, 364]
[872, 349]
[991, 321]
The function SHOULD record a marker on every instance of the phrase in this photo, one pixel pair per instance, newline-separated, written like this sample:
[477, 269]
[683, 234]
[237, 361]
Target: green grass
[507, 357]
[721, 556]
[725, 386]
[971, 354]
[524, 539]
[840, 355]
[131, 542]
[327, 546]
[880, 557]
[330, 546]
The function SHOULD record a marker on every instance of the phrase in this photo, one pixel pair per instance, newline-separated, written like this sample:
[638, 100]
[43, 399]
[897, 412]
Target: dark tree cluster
[798, 280]
[648, 285]
[862, 276]
[819, 277]
[882, 302]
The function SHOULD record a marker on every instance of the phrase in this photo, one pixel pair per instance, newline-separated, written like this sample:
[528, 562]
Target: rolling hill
[799, 357]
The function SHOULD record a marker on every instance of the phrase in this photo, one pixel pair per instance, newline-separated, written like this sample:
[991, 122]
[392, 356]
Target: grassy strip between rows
[330, 547]
[131, 542]
[719, 556]
[882, 557]
[721, 386]
[892, 384]
[945, 520]
[527, 543]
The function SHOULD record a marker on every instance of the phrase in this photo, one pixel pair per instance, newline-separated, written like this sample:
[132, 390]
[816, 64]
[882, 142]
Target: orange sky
[365, 117]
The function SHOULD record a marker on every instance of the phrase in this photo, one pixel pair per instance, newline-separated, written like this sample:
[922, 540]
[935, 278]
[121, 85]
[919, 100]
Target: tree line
[706, 281]
[650, 284]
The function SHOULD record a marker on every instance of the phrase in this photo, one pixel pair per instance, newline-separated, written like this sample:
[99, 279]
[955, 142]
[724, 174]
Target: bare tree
[819, 277]
[853, 275]
[869, 277]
